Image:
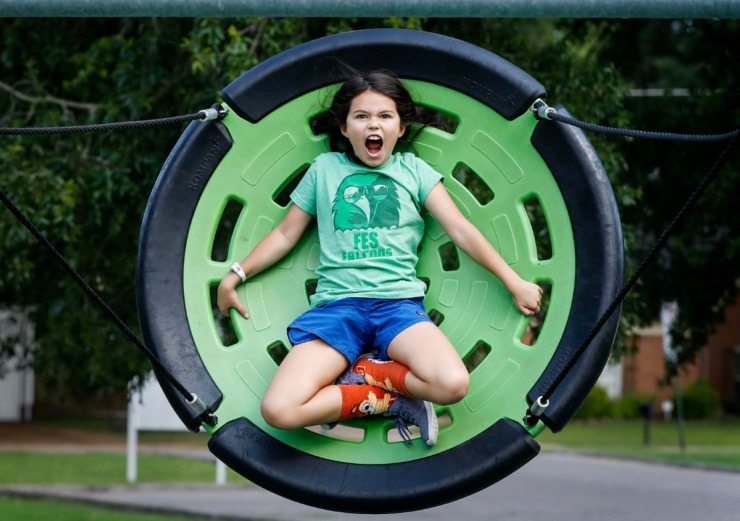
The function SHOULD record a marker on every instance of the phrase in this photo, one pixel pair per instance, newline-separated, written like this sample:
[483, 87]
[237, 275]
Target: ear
[402, 131]
[343, 130]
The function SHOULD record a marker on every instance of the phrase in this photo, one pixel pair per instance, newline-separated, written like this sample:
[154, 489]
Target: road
[553, 487]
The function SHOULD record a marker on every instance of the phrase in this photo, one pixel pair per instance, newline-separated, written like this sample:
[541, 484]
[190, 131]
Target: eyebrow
[362, 111]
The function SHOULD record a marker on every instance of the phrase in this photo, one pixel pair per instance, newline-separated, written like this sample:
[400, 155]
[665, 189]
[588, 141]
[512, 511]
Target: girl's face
[373, 127]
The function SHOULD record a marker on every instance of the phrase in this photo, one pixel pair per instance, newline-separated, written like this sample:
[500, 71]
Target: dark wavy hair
[414, 117]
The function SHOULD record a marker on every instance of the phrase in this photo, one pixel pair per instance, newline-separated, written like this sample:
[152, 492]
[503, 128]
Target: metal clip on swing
[216, 112]
[532, 416]
[543, 111]
[202, 410]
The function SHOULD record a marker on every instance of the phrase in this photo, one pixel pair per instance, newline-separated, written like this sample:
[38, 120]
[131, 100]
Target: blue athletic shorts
[355, 326]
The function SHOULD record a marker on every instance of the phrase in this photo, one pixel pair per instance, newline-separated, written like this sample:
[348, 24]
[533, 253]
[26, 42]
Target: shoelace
[403, 429]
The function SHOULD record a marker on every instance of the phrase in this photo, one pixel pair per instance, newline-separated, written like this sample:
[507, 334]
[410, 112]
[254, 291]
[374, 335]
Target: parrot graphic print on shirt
[365, 201]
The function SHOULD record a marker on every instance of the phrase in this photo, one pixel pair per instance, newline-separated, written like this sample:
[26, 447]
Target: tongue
[374, 146]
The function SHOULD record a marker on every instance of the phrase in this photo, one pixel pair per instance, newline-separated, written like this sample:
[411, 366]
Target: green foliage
[699, 266]
[700, 400]
[86, 193]
[626, 407]
[597, 405]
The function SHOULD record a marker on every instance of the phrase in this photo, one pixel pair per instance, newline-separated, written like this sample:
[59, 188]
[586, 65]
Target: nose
[373, 123]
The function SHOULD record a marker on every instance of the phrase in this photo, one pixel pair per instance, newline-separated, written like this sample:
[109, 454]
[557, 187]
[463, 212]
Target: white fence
[16, 381]
[149, 410]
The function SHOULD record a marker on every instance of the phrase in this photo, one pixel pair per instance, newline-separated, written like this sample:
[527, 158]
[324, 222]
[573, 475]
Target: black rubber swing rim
[471, 466]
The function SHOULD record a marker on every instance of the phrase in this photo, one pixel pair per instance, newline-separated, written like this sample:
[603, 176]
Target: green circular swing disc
[499, 182]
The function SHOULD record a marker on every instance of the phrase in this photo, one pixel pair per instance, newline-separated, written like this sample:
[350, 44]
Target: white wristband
[237, 268]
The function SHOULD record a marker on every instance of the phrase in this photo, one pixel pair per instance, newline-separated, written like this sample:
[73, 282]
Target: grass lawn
[14, 509]
[706, 443]
[99, 469]
[42, 468]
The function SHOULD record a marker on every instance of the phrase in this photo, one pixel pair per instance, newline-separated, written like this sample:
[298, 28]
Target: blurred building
[719, 363]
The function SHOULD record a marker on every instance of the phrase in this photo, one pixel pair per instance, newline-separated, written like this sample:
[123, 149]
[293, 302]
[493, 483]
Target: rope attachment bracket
[202, 410]
[215, 112]
[537, 409]
[542, 110]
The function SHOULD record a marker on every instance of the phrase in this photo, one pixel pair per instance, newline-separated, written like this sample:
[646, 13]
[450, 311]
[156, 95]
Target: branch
[65, 104]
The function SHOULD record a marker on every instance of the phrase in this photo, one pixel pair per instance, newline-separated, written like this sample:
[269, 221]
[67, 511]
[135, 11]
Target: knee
[453, 386]
[277, 414]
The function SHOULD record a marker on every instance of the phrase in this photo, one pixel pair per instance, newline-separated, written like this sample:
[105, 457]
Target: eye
[352, 194]
[367, 408]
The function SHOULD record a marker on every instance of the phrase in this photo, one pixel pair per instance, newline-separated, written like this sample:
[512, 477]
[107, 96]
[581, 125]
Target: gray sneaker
[420, 413]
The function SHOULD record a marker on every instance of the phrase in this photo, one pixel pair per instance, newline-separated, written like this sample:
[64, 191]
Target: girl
[367, 346]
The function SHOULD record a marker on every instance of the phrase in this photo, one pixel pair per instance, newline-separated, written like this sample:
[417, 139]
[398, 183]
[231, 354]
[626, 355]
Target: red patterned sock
[363, 400]
[390, 375]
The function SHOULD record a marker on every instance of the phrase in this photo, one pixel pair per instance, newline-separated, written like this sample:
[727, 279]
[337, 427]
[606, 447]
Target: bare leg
[301, 392]
[436, 372]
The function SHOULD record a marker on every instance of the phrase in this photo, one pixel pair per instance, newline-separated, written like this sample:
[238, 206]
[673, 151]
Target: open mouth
[373, 145]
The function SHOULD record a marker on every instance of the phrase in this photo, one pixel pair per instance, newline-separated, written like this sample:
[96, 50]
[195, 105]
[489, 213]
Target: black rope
[535, 411]
[101, 127]
[545, 112]
[215, 112]
[91, 293]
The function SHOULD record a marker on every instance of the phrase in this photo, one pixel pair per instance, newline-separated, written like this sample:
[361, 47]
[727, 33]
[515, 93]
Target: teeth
[373, 138]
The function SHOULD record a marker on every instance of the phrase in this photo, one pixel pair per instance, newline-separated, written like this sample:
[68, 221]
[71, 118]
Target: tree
[85, 192]
[699, 268]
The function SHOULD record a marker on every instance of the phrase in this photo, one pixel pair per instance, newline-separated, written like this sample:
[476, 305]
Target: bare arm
[469, 239]
[268, 251]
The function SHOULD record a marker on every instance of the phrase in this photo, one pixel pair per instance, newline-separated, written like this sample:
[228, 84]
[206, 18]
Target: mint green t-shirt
[369, 225]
